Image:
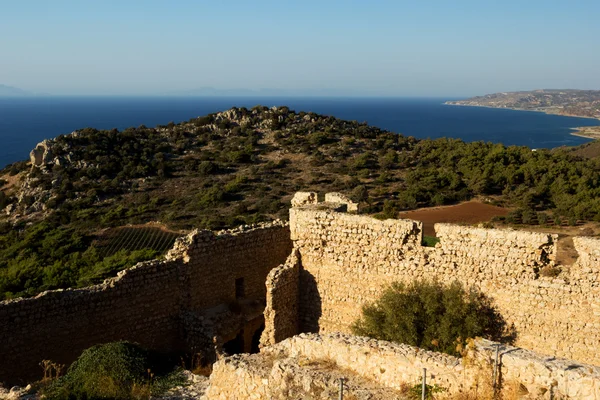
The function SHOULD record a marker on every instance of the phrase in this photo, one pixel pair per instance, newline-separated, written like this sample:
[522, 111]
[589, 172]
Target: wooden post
[495, 375]
[424, 386]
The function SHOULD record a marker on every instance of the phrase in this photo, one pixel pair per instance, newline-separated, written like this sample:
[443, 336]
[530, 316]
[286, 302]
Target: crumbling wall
[347, 260]
[372, 367]
[340, 198]
[139, 305]
[281, 312]
[217, 259]
[146, 303]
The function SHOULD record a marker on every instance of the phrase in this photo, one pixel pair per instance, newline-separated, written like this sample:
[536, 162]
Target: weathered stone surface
[347, 260]
[145, 304]
[382, 369]
[304, 198]
[281, 312]
[41, 154]
[341, 199]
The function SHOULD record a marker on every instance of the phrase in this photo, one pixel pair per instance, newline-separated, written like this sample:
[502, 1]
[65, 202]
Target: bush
[207, 168]
[118, 370]
[431, 316]
[429, 241]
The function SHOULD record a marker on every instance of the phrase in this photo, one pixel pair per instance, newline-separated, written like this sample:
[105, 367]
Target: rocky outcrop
[41, 154]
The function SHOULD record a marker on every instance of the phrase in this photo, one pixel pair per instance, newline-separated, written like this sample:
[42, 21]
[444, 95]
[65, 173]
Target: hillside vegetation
[242, 166]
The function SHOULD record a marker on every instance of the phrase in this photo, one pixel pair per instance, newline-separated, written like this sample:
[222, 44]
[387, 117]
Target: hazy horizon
[381, 49]
[257, 93]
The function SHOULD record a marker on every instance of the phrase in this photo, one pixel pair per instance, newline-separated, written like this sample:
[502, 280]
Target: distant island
[568, 102]
[10, 91]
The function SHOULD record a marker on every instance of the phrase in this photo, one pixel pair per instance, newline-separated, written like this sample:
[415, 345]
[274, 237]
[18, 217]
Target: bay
[24, 122]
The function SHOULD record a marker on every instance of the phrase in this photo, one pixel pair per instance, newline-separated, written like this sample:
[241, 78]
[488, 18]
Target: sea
[24, 122]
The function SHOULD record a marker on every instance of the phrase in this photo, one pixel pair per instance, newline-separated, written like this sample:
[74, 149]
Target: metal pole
[495, 375]
[424, 386]
[341, 388]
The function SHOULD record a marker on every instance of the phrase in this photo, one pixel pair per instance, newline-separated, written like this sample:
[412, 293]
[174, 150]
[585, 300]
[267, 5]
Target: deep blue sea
[26, 121]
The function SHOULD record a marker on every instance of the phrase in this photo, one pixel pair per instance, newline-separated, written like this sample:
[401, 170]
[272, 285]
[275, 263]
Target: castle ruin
[219, 290]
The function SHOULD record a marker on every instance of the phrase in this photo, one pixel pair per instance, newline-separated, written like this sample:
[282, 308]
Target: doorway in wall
[236, 345]
[256, 339]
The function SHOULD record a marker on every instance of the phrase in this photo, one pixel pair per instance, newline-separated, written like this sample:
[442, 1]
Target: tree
[431, 316]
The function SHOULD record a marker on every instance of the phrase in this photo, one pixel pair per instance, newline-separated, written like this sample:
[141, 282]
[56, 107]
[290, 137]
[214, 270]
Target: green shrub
[119, 370]
[430, 241]
[207, 168]
[431, 316]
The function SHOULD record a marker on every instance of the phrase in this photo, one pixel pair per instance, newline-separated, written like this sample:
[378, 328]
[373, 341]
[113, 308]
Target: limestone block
[304, 198]
[339, 198]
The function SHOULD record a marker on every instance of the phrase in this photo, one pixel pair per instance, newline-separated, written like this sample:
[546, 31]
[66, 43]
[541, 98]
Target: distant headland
[567, 102]
[10, 91]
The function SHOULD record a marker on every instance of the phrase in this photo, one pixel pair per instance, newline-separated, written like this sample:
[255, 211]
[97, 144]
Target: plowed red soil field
[470, 212]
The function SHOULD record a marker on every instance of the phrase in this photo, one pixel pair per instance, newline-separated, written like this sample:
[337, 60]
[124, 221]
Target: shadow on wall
[310, 303]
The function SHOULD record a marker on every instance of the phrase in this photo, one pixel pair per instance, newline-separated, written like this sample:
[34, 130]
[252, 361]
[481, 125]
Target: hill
[242, 166]
[569, 102]
[9, 91]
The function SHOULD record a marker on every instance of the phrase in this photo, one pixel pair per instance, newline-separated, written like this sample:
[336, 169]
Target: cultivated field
[470, 212]
[135, 238]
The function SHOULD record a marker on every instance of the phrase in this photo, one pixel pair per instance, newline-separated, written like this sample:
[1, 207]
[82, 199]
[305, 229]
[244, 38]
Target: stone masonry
[148, 303]
[281, 311]
[347, 260]
[375, 369]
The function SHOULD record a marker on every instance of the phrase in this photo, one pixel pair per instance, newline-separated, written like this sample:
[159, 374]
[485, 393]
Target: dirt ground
[11, 182]
[474, 212]
[470, 212]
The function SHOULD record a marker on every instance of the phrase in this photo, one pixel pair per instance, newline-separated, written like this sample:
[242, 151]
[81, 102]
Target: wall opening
[235, 346]
[254, 346]
[566, 253]
[240, 288]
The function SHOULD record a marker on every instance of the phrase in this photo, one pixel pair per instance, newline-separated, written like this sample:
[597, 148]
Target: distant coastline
[582, 131]
[587, 132]
[23, 124]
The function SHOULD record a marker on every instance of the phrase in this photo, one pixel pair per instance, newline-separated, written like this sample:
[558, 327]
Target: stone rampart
[144, 304]
[281, 311]
[347, 260]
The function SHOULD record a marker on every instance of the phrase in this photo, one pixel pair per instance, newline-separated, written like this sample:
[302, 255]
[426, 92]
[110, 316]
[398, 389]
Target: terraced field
[135, 238]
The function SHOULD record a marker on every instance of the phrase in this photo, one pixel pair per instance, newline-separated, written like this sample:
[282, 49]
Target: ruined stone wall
[144, 304]
[217, 260]
[347, 260]
[281, 311]
[372, 367]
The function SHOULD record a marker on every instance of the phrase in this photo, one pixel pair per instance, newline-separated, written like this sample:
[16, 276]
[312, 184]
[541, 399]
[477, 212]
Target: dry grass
[51, 369]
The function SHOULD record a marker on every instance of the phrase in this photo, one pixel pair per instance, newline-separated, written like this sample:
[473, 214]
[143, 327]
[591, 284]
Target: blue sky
[390, 48]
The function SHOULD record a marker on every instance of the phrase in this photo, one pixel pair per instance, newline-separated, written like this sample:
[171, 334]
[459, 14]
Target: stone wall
[281, 311]
[144, 304]
[376, 369]
[347, 260]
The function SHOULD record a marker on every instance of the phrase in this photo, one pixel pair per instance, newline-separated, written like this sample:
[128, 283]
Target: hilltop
[242, 166]
[10, 91]
[568, 102]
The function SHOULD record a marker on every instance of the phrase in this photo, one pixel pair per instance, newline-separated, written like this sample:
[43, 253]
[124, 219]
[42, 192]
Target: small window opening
[240, 289]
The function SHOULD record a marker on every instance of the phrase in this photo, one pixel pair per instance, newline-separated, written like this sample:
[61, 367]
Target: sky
[371, 48]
